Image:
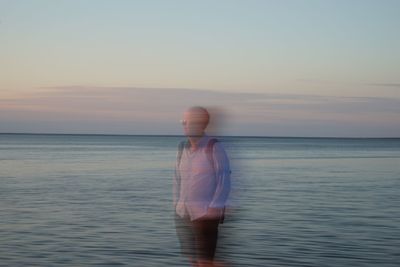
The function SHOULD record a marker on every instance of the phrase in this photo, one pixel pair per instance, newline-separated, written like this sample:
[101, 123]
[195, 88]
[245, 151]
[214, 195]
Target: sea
[106, 200]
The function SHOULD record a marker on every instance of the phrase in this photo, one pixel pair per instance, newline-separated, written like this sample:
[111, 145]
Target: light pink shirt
[197, 185]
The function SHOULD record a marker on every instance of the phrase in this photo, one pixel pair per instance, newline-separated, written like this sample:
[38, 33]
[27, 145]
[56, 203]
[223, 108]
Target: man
[201, 189]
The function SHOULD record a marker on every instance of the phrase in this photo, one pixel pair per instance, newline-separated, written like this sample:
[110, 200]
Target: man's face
[194, 123]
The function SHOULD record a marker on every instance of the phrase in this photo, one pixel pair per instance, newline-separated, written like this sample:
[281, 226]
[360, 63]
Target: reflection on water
[71, 200]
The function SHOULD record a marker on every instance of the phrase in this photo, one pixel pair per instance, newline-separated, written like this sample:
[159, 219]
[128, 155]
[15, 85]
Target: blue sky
[334, 51]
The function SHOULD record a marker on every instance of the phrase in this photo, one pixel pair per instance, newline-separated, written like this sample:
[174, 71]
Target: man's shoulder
[209, 142]
[215, 143]
[212, 141]
[182, 144]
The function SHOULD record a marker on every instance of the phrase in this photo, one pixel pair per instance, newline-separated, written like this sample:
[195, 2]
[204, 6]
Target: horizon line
[178, 135]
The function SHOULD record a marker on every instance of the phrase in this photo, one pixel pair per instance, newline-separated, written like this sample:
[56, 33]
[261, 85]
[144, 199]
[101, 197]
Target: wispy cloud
[376, 84]
[396, 85]
[157, 110]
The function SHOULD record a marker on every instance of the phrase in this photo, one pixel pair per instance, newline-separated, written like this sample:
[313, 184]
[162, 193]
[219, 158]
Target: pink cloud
[157, 110]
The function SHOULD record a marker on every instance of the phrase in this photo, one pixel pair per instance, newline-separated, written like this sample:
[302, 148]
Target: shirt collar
[202, 142]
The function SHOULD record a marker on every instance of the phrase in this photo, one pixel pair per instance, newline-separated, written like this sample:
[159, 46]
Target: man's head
[195, 121]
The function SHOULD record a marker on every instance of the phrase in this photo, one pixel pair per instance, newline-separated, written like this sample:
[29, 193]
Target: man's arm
[222, 175]
[176, 186]
[177, 176]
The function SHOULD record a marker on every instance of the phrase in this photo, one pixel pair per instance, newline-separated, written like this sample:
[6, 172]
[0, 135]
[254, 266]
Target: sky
[264, 68]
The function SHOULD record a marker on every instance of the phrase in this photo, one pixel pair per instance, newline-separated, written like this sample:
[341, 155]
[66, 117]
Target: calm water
[87, 200]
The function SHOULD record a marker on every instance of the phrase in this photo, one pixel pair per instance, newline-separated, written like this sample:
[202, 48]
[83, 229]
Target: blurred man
[201, 189]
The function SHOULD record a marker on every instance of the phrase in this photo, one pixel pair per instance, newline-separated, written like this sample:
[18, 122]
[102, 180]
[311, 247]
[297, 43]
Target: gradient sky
[287, 68]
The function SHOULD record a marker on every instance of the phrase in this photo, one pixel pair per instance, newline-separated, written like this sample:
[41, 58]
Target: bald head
[195, 121]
